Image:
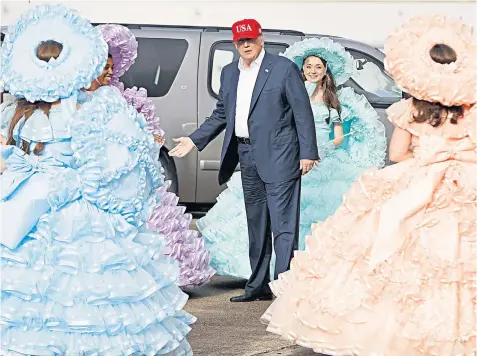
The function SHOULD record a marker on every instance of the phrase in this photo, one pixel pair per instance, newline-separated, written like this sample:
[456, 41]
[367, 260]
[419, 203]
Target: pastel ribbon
[21, 166]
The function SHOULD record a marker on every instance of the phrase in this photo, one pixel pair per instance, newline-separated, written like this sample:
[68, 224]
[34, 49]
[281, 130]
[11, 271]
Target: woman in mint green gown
[350, 139]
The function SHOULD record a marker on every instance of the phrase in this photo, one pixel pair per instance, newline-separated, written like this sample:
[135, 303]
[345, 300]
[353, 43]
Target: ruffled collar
[135, 101]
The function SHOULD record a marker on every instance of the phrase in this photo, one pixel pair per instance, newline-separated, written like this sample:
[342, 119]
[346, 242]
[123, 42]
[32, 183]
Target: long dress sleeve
[116, 157]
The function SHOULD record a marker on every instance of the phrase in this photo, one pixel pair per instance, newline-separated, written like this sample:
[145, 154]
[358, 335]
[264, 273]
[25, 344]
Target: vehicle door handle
[213, 165]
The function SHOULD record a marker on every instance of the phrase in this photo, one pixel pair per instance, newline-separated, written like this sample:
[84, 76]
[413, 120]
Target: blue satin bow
[41, 128]
[21, 166]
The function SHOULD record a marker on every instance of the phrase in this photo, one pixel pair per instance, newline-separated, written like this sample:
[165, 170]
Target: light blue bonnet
[82, 58]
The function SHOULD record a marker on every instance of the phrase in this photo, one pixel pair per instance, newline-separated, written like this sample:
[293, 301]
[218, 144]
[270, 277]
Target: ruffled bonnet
[122, 46]
[81, 60]
[338, 61]
[409, 62]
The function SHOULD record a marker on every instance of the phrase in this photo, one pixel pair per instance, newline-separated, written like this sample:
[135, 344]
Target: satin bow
[438, 149]
[46, 128]
[41, 128]
[404, 212]
[21, 166]
[36, 129]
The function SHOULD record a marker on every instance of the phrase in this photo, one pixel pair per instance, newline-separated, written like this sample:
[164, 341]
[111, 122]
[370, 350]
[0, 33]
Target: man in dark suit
[269, 128]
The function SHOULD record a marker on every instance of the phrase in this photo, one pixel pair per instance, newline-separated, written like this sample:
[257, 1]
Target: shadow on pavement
[217, 286]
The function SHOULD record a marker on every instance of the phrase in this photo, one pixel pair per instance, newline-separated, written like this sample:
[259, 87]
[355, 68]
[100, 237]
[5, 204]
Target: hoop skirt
[393, 271]
[74, 280]
[225, 226]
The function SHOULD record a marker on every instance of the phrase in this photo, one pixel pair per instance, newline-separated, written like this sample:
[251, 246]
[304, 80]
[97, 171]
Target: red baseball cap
[247, 28]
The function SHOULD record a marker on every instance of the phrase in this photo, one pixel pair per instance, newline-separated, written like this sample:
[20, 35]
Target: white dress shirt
[246, 84]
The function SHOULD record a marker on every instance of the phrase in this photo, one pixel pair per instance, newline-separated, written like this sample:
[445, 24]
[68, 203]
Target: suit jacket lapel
[233, 91]
[262, 77]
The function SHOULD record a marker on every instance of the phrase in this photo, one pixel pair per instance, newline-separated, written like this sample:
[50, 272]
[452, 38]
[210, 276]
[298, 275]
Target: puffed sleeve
[138, 98]
[365, 135]
[400, 114]
[116, 157]
[335, 117]
[7, 110]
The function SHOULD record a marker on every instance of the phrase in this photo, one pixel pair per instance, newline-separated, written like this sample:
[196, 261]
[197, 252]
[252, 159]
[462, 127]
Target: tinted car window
[157, 65]
[223, 53]
[370, 76]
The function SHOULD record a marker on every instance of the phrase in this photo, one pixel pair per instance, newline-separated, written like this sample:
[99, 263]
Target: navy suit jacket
[280, 124]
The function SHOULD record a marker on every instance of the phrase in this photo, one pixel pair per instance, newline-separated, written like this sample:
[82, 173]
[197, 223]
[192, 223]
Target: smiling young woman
[105, 77]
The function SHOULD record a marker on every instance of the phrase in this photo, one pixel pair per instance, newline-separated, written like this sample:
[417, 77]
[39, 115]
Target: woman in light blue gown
[74, 195]
[350, 139]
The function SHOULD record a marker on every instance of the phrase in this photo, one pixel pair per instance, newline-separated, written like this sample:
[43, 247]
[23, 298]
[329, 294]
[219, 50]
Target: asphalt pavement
[232, 329]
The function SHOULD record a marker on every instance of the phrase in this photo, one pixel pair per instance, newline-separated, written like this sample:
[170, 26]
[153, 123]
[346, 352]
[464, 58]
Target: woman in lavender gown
[168, 221]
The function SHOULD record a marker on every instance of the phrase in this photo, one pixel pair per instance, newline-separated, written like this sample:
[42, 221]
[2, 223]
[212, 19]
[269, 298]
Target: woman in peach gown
[393, 272]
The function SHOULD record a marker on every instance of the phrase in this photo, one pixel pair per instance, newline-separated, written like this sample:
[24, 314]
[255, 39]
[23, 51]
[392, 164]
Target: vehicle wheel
[170, 171]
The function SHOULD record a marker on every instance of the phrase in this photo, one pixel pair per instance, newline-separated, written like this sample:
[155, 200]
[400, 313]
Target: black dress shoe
[249, 297]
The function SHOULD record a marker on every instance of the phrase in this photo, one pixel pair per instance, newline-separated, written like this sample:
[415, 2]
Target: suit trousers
[270, 208]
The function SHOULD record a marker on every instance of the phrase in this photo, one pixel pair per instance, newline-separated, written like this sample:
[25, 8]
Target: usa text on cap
[247, 28]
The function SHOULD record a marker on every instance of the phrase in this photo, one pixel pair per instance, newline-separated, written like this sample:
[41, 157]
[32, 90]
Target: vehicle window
[221, 57]
[369, 74]
[223, 53]
[157, 65]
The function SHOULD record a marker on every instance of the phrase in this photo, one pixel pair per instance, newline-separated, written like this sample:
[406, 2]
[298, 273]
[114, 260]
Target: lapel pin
[266, 70]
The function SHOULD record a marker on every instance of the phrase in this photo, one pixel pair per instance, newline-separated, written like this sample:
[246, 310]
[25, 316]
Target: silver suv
[180, 68]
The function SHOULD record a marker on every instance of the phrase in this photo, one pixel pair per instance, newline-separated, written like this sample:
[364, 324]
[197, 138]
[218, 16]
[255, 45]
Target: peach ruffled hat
[408, 60]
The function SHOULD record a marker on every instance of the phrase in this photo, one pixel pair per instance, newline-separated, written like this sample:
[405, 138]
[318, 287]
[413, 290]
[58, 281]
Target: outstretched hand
[306, 165]
[183, 147]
